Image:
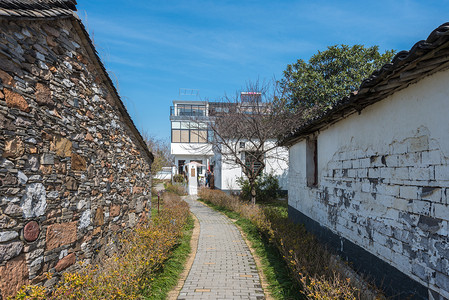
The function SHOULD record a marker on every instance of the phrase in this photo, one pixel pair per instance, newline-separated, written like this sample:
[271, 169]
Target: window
[189, 132]
[250, 97]
[202, 136]
[181, 166]
[253, 160]
[190, 110]
[312, 162]
[184, 136]
[242, 145]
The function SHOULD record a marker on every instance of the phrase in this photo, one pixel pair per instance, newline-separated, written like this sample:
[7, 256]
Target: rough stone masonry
[73, 171]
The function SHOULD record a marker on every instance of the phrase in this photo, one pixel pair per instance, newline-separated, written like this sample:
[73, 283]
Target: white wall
[384, 180]
[190, 149]
[226, 171]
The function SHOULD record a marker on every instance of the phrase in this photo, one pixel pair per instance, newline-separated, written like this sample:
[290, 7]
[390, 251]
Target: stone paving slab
[223, 267]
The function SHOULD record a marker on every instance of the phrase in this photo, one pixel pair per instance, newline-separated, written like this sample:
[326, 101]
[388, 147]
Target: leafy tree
[330, 75]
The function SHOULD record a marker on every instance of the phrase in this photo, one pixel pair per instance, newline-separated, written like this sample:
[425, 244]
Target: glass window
[202, 136]
[194, 136]
[184, 136]
[252, 160]
[176, 136]
[189, 132]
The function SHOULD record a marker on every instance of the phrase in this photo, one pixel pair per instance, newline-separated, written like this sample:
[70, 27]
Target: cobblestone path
[223, 267]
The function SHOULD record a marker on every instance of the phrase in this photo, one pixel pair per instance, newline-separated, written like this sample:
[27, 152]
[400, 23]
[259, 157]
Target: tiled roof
[424, 58]
[37, 8]
[62, 8]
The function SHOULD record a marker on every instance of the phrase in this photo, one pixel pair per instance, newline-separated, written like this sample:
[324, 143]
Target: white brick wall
[384, 181]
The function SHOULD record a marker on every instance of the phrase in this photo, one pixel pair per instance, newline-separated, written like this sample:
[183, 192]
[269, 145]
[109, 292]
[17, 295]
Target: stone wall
[384, 189]
[72, 172]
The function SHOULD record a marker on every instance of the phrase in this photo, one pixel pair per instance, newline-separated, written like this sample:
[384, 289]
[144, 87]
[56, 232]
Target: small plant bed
[168, 276]
[146, 266]
[176, 188]
[300, 267]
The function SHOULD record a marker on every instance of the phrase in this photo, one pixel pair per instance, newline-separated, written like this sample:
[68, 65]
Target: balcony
[188, 110]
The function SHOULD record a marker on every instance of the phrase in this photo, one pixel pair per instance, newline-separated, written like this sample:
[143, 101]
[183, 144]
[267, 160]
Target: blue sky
[153, 48]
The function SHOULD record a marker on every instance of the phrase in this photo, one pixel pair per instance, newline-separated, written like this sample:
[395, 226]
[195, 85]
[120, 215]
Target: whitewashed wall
[226, 172]
[384, 180]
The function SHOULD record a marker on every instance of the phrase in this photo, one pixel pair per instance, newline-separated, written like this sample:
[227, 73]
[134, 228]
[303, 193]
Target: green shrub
[267, 187]
[178, 178]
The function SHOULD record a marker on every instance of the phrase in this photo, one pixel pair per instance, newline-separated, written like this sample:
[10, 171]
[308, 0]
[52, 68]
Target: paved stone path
[223, 267]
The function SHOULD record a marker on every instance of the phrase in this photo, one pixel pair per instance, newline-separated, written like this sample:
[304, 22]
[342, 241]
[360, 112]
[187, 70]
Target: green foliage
[331, 74]
[178, 178]
[267, 187]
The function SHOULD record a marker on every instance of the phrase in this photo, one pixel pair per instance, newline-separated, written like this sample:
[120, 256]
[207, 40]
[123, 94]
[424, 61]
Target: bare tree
[244, 129]
[161, 151]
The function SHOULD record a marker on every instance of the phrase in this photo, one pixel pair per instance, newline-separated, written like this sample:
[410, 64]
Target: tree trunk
[253, 193]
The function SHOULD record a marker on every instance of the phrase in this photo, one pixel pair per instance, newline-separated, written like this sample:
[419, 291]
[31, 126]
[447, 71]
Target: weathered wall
[384, 184]
[71, 172]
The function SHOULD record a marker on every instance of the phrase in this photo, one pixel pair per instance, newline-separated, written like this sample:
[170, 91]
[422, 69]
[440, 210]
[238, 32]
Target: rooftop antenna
[189, 92]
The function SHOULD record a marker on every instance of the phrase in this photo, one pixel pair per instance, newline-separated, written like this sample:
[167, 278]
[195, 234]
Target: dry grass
[176, 188]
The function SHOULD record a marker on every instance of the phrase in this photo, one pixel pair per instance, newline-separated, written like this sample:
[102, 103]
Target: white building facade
[371, 177]
[190, 143]
[227, 171]
[189, 135]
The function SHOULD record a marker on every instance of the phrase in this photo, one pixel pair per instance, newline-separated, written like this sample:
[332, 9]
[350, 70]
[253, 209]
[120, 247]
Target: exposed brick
[433, 194]
[440, 211]
[442, 172]
[418, 144]
[408, 192]
[431, 157]
[401, 173]
[416, 173]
